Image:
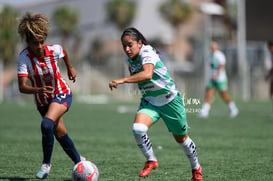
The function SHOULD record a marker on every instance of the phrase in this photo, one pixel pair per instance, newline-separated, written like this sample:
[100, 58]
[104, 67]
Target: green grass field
[229, 150]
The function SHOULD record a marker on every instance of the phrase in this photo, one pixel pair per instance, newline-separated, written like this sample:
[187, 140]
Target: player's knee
[59, 133]
[47, 125]
[139, 128]
[181, 138]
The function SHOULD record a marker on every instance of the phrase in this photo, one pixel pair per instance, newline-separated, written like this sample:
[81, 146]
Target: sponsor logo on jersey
[47, 78]
[135, 68]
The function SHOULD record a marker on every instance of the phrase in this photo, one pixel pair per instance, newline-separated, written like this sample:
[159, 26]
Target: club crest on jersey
[45, 70]
[46, 73]
[47, 78]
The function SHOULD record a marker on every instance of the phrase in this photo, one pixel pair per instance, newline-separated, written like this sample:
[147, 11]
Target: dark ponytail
[133, 32]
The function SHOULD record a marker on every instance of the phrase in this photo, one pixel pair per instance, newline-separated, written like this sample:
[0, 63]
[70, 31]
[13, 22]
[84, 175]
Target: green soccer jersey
[216, 59]
[161, 89]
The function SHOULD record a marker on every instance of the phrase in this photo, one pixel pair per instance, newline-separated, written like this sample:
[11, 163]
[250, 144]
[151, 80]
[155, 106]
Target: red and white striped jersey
[43, 71]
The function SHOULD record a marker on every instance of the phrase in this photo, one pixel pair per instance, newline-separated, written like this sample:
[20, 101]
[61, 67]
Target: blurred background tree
[8, 38]
[176, 12]
[230, 18]
[66, 20]
[121, 12]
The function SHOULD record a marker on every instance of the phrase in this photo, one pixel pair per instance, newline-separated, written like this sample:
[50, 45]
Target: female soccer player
[218, 81]
[160, 98]
[38, 62]
[269, 75]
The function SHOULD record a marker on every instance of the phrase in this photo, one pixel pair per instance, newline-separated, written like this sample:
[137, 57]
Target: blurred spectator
[269, 75]
[218, 80]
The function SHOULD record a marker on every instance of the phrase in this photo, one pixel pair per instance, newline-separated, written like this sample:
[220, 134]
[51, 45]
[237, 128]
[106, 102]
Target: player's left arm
[142, 76]
[71, 72]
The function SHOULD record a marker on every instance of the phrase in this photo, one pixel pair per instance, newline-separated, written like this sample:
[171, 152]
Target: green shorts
[219, 85]
[173, 114]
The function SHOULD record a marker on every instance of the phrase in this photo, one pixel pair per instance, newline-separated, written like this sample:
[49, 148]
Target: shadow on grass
[21, 179]
[13, 178]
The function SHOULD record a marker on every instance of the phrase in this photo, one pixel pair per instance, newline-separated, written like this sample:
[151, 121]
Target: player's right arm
[22, 73]
[142, 76]
[26, 89]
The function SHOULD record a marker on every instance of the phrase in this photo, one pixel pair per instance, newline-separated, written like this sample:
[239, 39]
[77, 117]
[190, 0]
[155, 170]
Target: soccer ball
[85, 171]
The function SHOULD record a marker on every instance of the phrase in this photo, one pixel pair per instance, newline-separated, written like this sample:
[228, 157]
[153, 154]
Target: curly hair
[33, 26]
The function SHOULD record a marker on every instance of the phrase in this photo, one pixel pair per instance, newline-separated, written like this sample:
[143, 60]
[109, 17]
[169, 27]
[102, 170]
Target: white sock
[205, 109]
[232, 105]
[143, 141]
[191, 152]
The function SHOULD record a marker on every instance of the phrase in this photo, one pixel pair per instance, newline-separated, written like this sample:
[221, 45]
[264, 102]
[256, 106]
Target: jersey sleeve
[148, 56]
[22, 66]
[58, 50]
[221, 58]
[62, 54]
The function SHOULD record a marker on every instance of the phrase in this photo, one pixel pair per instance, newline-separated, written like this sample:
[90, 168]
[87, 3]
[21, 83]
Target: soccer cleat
[43, 171]
[149, 165]
[197, 174]
[233, 113]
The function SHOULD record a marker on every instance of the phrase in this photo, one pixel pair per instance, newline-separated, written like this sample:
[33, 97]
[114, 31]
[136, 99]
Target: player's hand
[72, 74]
[46, 90]
[113, 84]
